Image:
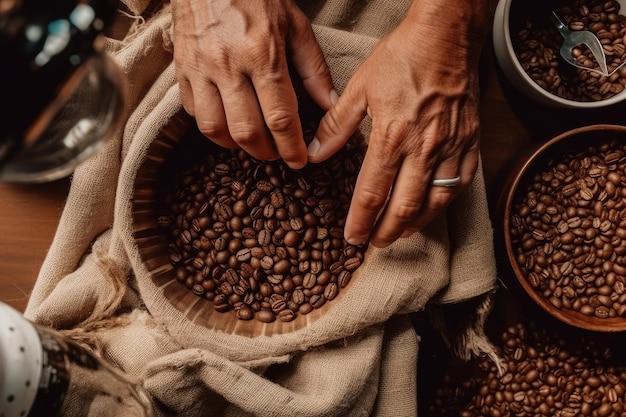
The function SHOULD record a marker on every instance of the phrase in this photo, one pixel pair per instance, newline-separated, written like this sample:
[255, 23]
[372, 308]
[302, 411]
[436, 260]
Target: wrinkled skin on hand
[419, 86]
[422, 95]
[231, 60]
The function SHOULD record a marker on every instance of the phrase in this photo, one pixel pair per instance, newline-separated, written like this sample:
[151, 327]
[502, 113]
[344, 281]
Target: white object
[20, 363]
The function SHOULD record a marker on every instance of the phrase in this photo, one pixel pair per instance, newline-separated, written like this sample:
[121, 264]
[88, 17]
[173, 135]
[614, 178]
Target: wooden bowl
[566, 256]
[175, 149]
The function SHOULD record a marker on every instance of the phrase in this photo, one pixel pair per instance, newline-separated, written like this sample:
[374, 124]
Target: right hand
[231, 61]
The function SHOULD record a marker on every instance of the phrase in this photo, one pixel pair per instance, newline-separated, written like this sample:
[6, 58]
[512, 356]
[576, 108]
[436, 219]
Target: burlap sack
[359, 358]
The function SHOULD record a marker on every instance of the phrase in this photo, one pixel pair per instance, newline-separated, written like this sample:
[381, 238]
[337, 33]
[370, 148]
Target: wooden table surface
[510, 125]
[30, 214]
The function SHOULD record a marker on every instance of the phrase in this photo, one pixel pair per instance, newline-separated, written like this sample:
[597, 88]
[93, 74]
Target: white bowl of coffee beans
[564, 227]
[527, 49]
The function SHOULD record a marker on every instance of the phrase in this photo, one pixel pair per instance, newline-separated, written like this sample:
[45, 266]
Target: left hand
[425, 124]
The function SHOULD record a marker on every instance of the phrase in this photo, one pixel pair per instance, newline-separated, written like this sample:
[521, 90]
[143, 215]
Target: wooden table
[30, 214]
[510, 125]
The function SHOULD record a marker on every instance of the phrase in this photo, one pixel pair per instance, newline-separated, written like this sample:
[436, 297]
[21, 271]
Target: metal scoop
[579, 37]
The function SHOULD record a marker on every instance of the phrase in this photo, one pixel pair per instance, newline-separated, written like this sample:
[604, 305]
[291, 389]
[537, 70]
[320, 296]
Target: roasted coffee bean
[544, 374]
[260, 239]
[538, 43]
[331, 291]
[579, 271]
[286, 315]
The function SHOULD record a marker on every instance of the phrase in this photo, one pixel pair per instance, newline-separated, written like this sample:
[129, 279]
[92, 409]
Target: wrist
[448, 30]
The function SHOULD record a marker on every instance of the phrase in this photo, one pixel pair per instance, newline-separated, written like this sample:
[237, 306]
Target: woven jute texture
[359, 358]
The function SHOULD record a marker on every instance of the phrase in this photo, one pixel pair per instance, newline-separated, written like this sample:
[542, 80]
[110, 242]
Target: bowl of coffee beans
[241, 245]
[527, 46]
[564, 227]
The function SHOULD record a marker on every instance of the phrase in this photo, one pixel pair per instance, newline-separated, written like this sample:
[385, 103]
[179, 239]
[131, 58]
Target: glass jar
[62, 95]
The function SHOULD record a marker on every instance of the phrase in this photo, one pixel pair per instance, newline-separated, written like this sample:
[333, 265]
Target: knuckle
[220, 56]
[331, 123]
[263, 52]
[280, 120]
[243, 133]
[256, 44]
[406, 212]
[392, 145]
[211, 128]
[370, 198]
[396, 131]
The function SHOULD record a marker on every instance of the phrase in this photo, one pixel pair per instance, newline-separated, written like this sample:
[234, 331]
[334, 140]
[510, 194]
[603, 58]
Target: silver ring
[446, 182]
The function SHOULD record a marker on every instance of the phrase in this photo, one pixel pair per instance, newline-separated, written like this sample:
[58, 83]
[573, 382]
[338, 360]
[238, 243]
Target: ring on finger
[446, 182]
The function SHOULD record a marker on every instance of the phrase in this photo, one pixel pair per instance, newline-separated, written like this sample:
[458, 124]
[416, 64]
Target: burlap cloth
[360, 358]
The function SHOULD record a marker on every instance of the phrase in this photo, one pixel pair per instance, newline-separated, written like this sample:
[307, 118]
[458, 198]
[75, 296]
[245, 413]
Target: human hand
[232, 66]
[425, 125]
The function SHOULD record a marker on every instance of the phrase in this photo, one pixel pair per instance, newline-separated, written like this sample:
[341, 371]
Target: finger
[245, 120]
[338, 124]
[371, 191]
[186, 95]
[210, 116]
[310, 64]
[279, 105]
[440, 197]
[404, 205]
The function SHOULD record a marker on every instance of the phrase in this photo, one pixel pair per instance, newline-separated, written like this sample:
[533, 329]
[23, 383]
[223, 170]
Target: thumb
[338, 124]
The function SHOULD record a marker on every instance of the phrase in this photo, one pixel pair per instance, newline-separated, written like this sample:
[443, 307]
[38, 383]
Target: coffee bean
[286, 315]
[331, 291]
[352, 263]
[277, 302]
[282, 267]
[546, 374]
[265, 316]
[260, 239]
[245, 313]
[571, 263]
[538, 42]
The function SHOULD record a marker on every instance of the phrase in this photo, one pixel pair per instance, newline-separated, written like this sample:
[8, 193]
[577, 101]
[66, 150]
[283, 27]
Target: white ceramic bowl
[513, 70]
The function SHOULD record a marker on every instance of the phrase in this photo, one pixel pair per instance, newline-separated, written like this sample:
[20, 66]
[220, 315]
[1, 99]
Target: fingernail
[353, 240]
[334, 96]
[314, 147]
[296, 165]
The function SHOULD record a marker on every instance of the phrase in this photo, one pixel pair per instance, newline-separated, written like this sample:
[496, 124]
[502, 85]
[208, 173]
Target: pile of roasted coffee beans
[544, 374]
[569, 231]
[259, 238]
[538, 43]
